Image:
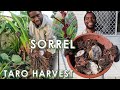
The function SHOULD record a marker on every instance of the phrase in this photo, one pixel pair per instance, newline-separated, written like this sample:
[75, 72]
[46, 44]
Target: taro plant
[13, 36]
[13, 63]
[20, 28]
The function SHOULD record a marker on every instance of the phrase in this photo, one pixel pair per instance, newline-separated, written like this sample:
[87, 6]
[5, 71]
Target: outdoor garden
[15, 43]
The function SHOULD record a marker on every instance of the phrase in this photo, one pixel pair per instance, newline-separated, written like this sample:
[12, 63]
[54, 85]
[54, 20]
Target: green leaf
[2, 27]
[27, 68]
[23, 13]
[73, 36]
[4, 66]
[1, 60]
[11, 23]
[69, 30]
[16, 59]
[9, 41]
[20, 25]
[61, 33]
[4, 56]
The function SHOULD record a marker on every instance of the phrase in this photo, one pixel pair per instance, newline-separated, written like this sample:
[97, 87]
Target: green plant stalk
[24, 23]
[5, 67]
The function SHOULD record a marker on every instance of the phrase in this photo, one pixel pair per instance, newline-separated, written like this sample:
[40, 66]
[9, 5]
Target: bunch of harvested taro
[92, 57]
[40, 62]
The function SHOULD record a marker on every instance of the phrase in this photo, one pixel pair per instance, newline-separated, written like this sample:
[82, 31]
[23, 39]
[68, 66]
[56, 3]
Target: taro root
[85, 66]
[91, 57]
[80, 61]
[81, 64]
[80, 53]
[83, 70]
[39, 62]
[85, 55]
[95, 52]
[80, 44]
[104, 63]
[93, 67]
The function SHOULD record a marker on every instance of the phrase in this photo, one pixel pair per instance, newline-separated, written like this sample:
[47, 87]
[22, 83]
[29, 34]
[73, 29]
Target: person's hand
[115, 54]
